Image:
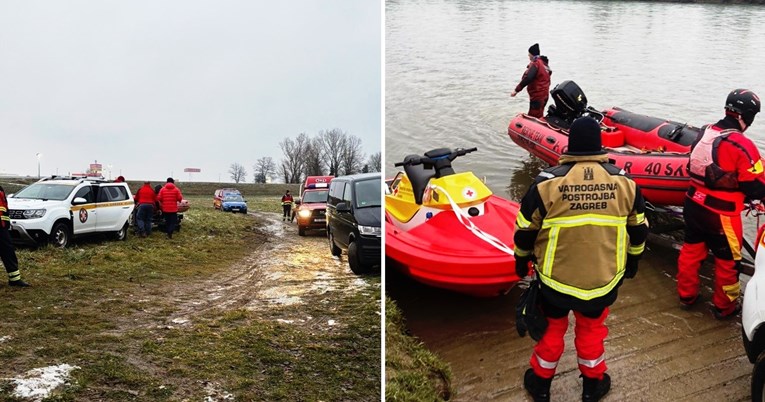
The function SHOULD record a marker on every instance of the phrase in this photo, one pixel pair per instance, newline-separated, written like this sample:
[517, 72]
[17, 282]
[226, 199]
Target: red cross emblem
[468, 193]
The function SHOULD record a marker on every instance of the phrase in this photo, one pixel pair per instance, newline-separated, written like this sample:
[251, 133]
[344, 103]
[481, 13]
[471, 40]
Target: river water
[449, 69]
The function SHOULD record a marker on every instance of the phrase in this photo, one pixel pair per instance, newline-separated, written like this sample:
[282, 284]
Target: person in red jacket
[145, 198]
[7, 251]
[168, 198]
[725, 169]
[537, 79]
[287, 205]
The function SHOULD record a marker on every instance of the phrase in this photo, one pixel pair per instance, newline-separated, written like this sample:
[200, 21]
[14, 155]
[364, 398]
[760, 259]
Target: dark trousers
[143, 218]
[7, 251]
[287, 209]
[171, 221]
[537, 107]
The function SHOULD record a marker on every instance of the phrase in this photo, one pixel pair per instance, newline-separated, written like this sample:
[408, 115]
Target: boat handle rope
[462, 216]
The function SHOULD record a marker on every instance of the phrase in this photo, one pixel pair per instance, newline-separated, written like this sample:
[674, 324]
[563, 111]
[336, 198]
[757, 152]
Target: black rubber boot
[19, 283]
[538, 387]
[595, 389]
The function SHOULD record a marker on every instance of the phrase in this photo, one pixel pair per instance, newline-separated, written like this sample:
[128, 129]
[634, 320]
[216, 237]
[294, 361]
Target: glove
[631, 268]
[522, 265]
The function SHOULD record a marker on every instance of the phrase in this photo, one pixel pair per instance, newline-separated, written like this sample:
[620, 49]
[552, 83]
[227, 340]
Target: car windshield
[315, 196]
[368, 193]
[235, 198]
[45, 191]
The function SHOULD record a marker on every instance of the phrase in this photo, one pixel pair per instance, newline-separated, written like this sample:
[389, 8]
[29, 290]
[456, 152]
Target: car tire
[122, 234]
[354, 260]
[60, 236]
[301, 231]
[758, 379]
[333, 249]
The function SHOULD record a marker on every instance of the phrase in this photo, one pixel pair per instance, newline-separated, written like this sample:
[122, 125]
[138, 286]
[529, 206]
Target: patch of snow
[284, 321]
[180, 321]
[358, 282]
[37, 384]
[5, 338]
[331, 322]
[214, 393]
[286, 300]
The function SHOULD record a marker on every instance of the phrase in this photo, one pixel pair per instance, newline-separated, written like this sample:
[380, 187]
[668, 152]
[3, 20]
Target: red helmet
[744, 102]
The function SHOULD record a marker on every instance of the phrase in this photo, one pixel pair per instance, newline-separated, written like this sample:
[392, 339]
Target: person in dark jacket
[145, 198]
[7, 251]
[536, 79]
[583, 224]
[725, 170]
[169, 197]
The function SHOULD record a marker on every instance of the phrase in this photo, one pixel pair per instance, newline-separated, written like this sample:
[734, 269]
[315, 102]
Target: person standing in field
[287, 206]
[7, 251]
[169, 197]
[536, 79]
[145, 199]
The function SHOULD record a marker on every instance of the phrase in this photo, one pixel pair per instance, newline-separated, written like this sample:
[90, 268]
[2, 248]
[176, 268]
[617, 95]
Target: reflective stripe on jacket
[4, 208]
[580, 214]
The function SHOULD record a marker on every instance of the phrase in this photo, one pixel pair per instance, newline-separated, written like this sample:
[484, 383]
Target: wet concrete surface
[655, 351]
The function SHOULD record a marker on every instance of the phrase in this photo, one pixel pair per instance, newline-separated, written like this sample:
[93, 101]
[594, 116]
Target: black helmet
[744, 102]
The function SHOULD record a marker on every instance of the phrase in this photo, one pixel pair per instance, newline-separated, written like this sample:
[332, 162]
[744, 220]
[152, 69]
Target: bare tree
[238, 172]
[263, 168]
[375, 162]
[293, 162]
[333, 142]
[314, 157]
[352, 156]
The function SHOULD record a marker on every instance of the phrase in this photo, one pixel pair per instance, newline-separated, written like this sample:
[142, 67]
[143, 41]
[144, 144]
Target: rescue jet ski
[447, 229]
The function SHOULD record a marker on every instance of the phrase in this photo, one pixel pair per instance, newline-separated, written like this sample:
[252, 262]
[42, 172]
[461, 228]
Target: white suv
[753, 318]
[57, 209]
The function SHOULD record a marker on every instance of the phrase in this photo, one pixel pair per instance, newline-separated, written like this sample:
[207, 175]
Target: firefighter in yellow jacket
[583, 224]
[7, 252]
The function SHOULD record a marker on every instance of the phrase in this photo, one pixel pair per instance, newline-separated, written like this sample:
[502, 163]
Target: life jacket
[711, 185]
[286, 199]
[540, 87]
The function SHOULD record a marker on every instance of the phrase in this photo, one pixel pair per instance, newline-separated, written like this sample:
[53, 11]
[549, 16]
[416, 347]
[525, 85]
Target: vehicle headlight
[370, 230]
[304, 213]
[33, 213]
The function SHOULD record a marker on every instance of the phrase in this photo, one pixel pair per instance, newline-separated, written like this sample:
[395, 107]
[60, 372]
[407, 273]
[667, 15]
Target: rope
[464, 218]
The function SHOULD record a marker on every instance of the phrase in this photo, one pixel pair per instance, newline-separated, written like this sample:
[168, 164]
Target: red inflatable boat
[653, 151]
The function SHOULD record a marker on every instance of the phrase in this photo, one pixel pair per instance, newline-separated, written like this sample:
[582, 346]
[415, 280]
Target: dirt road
[655, 351]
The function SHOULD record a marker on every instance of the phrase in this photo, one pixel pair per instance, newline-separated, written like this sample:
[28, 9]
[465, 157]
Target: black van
[353, 219]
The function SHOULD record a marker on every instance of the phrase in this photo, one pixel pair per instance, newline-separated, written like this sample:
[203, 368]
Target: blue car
[234, 203]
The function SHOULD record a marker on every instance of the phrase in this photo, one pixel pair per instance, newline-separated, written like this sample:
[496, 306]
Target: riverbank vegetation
[412, 373]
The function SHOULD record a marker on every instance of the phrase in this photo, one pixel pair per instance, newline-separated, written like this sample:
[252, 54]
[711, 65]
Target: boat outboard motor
[570, 103]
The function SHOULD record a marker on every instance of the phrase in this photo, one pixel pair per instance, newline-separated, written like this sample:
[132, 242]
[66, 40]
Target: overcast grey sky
[155, 86]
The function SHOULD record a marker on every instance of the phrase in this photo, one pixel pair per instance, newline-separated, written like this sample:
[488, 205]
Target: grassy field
[104, 306]
[412, 373]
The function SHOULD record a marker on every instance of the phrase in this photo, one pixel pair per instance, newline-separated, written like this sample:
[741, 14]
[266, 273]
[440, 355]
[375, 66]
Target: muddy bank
[655, 351]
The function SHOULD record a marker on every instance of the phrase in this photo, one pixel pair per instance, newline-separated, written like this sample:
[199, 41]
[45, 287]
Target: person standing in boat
[583, 224]
[725, 169]
[536, 79]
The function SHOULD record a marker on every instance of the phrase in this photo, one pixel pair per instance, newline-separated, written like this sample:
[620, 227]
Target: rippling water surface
[450, 67]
